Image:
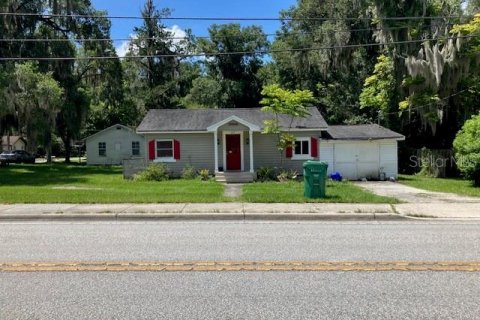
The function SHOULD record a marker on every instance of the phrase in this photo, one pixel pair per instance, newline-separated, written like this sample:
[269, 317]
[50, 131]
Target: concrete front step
[234, 180]
[234, 177]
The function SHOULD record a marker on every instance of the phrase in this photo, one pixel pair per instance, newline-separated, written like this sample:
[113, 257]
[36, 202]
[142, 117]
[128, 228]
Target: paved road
[240, 295]
[239, 241]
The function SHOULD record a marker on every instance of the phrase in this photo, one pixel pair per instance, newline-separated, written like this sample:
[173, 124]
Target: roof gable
[13, 140]
[178, 120]
[247, 124]
[110, 128]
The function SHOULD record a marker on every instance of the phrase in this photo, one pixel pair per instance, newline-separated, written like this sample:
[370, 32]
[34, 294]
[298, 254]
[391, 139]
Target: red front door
[234, 154]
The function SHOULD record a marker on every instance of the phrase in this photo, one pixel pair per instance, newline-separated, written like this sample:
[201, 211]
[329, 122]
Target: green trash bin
[315, 178]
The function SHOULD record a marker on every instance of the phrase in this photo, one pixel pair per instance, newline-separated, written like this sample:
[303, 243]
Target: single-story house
[10, 143]
[113, 145]
[360, 151]
[230, 141]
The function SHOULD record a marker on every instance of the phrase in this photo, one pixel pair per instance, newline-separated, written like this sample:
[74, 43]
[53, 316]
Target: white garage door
[357, 160]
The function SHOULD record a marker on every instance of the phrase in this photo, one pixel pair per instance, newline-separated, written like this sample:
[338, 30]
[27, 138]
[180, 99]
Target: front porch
[233, 150]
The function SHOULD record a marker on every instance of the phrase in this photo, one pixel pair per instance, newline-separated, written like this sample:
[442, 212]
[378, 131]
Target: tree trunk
[31, 141]
[49, 154]
[48, 146]
[66, 140]
[68, 149]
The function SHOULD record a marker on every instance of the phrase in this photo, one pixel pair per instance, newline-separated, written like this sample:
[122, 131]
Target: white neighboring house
[10, 143]
[113, 145]
[360, 151]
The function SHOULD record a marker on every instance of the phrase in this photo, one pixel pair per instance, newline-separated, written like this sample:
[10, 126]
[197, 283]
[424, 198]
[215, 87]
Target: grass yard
[292, 192]
[59, 183]
[458, 186]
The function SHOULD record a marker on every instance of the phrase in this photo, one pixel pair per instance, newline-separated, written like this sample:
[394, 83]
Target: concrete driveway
[426, 204]
[413, 195]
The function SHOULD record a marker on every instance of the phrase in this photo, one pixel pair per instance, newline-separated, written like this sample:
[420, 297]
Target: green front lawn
[60, 183]
[458, 186]
[292, 192]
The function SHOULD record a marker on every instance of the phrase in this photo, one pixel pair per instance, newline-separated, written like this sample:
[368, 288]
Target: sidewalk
[239, 211]
[198, 211]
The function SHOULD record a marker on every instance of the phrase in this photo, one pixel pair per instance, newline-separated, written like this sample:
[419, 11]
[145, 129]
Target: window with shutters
[102, 149]
[301, 148]
[135, 148]
[164, 150]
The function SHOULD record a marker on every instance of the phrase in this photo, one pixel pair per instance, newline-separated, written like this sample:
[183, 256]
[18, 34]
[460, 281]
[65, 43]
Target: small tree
[467, 149]
[292, 104]
[379, 88]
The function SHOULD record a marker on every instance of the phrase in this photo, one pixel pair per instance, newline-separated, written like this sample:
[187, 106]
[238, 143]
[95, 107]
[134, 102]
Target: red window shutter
[151, 150]
[176, 149]
[314, 147]
[289, 152]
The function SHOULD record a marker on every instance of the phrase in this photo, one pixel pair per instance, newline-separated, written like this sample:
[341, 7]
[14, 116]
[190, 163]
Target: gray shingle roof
[171, 120]
[360, 132]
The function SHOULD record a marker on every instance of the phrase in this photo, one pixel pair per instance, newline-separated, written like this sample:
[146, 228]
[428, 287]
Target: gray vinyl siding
[196, 149]
[265, 151]
[123, 136]
[267, 154]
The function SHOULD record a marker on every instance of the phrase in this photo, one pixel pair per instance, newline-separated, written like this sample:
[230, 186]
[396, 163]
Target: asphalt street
[240, 295]
[408, 240]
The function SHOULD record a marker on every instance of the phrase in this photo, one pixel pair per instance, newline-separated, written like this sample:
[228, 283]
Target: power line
[212, 54]
[84, 40]
[431, 103]
[93, 16]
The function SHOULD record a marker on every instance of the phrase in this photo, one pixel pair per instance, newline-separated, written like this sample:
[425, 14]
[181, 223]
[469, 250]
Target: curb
[204, 217]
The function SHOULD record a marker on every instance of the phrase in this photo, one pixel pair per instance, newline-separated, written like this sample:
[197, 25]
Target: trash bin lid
[315, 164]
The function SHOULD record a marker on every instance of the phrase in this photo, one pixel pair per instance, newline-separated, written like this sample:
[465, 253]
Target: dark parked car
[17, 156]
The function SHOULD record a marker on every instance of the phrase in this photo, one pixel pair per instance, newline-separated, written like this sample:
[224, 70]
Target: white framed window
[164, 150]
[135, 148]
[102, 149]
[302, 148]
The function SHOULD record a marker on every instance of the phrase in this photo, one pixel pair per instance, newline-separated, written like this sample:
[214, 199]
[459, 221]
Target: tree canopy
[412, 66]
[467, 149]
[283, 102]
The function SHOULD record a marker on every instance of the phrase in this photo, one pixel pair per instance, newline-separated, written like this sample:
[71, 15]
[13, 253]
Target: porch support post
[251, 150]
[215, 147]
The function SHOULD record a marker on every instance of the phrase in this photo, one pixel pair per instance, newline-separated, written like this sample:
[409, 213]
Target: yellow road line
[218, 266]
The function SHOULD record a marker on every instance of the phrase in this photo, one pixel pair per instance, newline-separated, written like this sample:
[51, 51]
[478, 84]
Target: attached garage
[360, 151]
